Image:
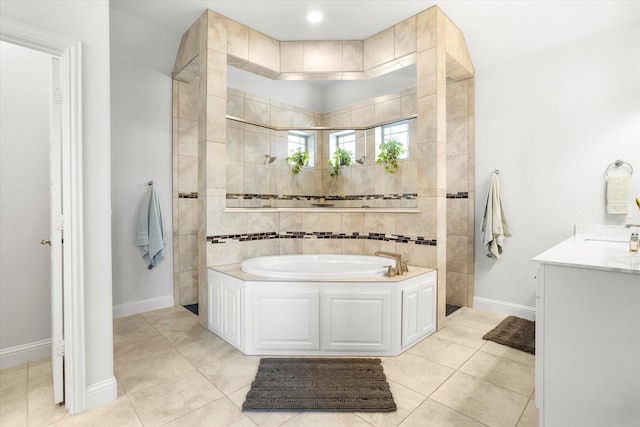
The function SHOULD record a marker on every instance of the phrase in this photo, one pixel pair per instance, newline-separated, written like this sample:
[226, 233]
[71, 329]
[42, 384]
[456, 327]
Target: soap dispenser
[634, 243]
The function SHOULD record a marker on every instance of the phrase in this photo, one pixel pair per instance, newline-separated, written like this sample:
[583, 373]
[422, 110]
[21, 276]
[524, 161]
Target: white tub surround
[375, 316]
[587, 340]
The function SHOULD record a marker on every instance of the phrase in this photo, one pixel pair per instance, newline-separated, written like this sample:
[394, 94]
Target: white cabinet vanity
[381, 316]
[588, 332]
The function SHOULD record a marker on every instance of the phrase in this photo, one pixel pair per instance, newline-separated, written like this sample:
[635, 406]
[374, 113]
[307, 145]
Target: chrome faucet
[631, 225]
[401, 267]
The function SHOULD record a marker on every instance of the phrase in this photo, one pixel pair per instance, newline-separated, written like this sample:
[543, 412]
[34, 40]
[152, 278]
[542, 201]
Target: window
[345, 140]
[304, 141]
[397, 130]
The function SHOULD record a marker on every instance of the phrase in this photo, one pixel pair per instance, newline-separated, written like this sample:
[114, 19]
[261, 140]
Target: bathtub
[323, 305]
[318, 266]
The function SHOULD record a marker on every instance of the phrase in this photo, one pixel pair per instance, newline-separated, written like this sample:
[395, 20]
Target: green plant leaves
[390, 151]
[341, 157]
[297, 160]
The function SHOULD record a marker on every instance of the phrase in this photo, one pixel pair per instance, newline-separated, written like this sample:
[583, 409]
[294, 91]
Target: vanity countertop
[595, 247]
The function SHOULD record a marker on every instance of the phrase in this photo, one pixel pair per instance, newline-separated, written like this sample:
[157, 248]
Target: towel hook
[151, 182]
[496, 171]
[618, 163]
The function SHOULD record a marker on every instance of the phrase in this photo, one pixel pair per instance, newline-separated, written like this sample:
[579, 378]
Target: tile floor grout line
[126, 396]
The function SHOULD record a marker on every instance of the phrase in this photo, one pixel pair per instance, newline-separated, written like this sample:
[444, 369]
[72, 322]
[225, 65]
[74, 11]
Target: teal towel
[151, 229]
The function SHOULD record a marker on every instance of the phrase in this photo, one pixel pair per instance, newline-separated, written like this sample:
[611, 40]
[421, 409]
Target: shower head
[268, 158]
[360, 161]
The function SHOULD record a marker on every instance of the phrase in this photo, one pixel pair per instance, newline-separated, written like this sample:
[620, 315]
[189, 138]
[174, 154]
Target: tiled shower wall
[185, 192]
[429, 39]
[460, 192]
[252, 183]
[266, 233]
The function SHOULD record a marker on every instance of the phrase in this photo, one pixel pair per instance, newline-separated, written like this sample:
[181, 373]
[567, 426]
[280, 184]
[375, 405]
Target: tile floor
[171, 372]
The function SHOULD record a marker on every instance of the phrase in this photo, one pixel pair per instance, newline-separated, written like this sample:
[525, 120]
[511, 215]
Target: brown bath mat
[516, 333]
[320, 384]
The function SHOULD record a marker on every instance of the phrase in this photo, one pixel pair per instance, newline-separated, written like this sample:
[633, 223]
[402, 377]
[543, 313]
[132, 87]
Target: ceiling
[496, 31]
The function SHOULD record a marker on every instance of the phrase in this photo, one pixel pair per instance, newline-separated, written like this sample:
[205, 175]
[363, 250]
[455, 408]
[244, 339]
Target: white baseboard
[20, 354]
[142, 306]
[522, 311]
[102, 392]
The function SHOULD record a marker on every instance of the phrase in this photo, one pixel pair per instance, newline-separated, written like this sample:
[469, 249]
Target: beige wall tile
[188, 252]
[290, 246]
[426, 29]
[322, 56]
[235, 143]
[216, 176]
[458, 217]
[427, 72]
[187, 137]
[321, 222]
[188, 216]
[234, 177]
[379, 49]
[216, 73]
[263, 248]
[217, 32]
[257, 111]
[388, 110]
[188, 288]
[457, 247]
[237, 40]
[457, 173]
[405, 37]
[188, 174]
[226, 253]
[352, 55]
[458, 136]
[321, 246]
[409, 173]
[292, 57]
[188, 101]
[216, 121]
[458, 99]
[264, 51]
[189, 48]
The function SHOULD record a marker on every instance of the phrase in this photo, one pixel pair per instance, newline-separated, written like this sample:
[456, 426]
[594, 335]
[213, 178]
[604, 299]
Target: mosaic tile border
[460, 195]
[187, 195]
[248, 196]
[247, 237]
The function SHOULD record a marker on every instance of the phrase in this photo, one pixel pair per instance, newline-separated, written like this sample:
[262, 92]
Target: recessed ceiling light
[314, 16]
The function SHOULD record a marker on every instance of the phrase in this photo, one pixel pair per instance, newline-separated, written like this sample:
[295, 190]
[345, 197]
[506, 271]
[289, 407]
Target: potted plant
[297, 160]
[390, 151]
[341, 157]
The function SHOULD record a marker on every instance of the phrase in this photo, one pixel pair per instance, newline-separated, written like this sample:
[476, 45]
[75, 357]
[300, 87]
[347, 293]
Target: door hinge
[59, 348]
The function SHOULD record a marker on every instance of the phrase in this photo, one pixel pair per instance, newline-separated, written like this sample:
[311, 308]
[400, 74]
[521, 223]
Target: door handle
[45, 242]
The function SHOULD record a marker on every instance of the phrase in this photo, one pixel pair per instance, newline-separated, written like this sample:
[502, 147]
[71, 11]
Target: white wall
[25, 295]
[88, 22]
[551, 123]
[141, 150]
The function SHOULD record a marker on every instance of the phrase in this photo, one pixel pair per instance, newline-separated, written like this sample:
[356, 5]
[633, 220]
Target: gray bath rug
[516, 333]
[320, 384]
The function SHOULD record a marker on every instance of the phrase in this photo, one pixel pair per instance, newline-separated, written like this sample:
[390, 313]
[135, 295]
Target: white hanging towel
[494, 222]
[618, 187]
[151, 229]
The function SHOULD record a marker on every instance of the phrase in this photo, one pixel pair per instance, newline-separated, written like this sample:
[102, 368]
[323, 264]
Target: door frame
[70, 53]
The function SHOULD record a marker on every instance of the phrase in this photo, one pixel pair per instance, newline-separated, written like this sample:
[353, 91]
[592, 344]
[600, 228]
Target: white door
[55, 239]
